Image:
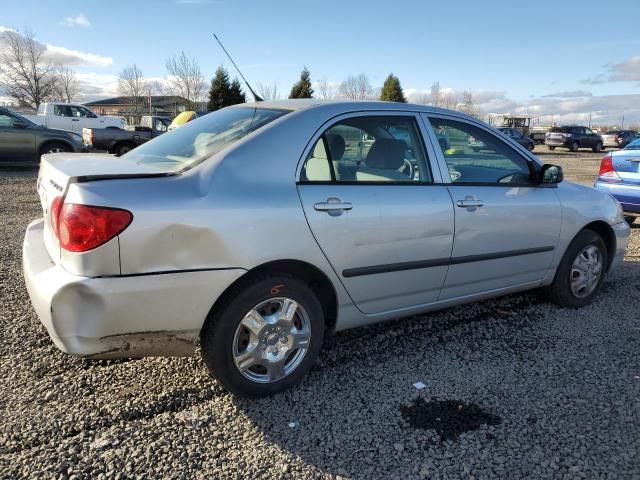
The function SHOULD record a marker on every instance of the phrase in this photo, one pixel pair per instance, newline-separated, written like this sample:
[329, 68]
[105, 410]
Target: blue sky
[512, 55]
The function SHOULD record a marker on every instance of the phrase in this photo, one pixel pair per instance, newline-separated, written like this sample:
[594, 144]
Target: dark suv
[573, 137]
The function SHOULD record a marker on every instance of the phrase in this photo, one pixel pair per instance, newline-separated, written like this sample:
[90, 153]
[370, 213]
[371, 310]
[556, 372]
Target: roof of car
[307, 103]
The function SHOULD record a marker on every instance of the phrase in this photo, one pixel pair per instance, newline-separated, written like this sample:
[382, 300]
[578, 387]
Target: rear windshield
[613, 132]
[560, 130]
[201, 138]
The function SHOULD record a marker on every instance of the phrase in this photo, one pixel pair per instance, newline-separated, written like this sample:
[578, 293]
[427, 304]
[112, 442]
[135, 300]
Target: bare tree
[25, 74]
[356, 87]
[185, 78]
[66, 86]
[268, 92]
[467, 106]
[132, 84]
[324, 90]
[435, 94]
[448, 99]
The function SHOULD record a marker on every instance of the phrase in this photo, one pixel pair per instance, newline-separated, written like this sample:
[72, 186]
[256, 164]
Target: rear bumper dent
[119, 317]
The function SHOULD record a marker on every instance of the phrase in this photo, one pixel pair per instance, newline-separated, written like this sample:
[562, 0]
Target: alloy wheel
[271, 340]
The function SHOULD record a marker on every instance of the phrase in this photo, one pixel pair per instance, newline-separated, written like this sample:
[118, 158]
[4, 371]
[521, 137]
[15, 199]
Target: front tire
[581, 271]
[531, 146]
[54, 147]
[264, 337]
[552, 148]
[630, 219]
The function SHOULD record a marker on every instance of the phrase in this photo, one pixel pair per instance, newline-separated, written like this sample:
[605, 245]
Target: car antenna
[256, 97]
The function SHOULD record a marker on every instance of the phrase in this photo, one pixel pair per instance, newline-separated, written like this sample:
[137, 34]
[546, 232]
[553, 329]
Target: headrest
[386, 153]
[336, 146]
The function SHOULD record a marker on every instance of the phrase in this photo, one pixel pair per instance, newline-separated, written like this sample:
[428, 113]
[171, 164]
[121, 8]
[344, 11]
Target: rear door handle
[468, 203]
[75, 119]
[328, 206]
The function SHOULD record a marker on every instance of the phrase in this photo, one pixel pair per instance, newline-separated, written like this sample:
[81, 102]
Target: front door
[17, 140]
[372, 204]
[506, 224]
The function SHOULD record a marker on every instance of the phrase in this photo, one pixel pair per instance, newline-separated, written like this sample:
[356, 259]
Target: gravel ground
[515, 388]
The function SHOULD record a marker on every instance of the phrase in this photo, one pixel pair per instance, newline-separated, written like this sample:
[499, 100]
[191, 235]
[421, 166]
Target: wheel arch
[607, 234]
[308, 273]
[48, 142]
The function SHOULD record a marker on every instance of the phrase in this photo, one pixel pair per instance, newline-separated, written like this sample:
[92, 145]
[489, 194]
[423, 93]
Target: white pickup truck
[72, 117]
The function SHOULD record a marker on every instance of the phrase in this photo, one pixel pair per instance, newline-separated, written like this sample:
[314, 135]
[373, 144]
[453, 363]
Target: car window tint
[369, 149]
[6, 121]
[474, 155]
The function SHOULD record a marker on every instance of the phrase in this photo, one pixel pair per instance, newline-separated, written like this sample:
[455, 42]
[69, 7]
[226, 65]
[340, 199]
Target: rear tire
[575, 146]
[567, 289]
[271, 354]
[552, 148]
[531, 146]
[123, 148]
[630, 219]
[598, 147]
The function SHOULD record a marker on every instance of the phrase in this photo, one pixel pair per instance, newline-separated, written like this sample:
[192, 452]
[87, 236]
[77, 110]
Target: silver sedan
[257, 229]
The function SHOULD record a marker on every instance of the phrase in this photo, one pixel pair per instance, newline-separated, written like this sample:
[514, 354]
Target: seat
[317, 167]
[385, 157]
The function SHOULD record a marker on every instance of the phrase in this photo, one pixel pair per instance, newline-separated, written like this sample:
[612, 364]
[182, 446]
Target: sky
[562, 59]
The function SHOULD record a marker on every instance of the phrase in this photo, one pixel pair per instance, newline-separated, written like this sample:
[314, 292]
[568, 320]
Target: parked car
[184, 118]
[518, 137]
[619, 138]
[574, 138]
[242, 231]
[619, 176]
[512, 133]
[633, 145]
[21, 140]
[72, 117]
[119, 141]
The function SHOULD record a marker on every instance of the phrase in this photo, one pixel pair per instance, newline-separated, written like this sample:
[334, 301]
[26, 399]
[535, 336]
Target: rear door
[506, 225]
[378, 209]
[61, 118]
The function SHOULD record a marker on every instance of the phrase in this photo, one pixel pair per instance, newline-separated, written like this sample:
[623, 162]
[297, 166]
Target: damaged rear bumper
[121, 316]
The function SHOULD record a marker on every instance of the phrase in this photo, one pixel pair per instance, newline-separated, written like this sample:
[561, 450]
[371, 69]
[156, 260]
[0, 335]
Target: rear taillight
[607, 170]
[81, 228]
[55, 213]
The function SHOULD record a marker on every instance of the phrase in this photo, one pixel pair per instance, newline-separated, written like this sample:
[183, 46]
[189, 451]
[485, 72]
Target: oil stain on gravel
[449, 418]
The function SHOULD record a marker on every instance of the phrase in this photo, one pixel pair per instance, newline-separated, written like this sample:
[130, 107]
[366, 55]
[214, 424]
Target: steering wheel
[407, 168]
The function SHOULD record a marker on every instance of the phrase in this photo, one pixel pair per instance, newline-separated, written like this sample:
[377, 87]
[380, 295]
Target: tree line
[27, 76]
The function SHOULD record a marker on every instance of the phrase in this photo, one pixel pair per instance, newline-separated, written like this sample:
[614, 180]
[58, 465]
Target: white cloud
[78, 21]
[68, 56]
[627, 71]
[6, 29]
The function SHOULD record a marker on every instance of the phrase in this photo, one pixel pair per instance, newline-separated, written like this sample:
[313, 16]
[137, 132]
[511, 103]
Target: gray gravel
[552, 394]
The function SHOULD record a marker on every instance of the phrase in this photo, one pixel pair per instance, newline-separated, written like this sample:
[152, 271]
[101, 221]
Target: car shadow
[351, 409]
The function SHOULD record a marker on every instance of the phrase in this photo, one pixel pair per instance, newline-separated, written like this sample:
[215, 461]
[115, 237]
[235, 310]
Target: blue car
[619, 175]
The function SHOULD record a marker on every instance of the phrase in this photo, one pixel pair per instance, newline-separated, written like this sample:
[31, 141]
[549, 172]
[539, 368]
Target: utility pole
[589, 120]
[622, 125]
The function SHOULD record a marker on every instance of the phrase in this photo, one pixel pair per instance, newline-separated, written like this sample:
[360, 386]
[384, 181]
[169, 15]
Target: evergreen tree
[392, 91]
[302, 88]
[236, 95]
[220, 91]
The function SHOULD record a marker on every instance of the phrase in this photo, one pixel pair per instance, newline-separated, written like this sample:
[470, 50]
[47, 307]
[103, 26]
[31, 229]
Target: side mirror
[551, 174]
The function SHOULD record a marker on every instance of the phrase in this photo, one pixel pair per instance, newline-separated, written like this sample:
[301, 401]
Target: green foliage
[224, 93]
[302, 88]
[392, 91]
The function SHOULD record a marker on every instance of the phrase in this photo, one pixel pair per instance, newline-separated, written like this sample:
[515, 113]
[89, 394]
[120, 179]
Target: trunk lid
[627, 165]
[58, 171]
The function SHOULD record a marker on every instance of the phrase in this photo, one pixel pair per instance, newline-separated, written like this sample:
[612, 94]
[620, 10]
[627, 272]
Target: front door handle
[470, 203]
[75, 119]
[326, 206]
[333, 206]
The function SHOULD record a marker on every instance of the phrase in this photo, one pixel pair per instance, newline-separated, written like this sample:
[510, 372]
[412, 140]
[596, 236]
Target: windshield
[24, 119]
[202, 138]
[559, 130]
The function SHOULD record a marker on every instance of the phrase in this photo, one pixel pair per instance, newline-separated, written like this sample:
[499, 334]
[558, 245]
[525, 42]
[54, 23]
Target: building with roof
[161, 105]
